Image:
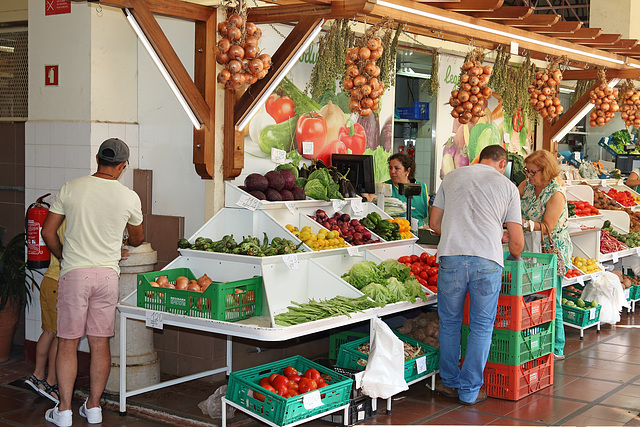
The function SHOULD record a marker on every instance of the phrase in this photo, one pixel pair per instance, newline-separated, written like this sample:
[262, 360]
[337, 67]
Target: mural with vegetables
[479, 113]
[311, 114]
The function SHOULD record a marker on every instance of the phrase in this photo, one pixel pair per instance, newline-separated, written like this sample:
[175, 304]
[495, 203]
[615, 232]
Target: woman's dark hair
[408, 162]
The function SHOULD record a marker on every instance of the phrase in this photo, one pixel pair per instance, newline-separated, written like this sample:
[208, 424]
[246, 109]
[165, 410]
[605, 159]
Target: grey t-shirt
[479, 200]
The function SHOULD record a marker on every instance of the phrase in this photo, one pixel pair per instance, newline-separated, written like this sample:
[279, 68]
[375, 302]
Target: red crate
[514, 314]
[515, 382]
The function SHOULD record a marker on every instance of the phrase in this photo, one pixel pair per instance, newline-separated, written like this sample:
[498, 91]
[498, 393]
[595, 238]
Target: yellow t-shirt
[97, 211]
[53, 272]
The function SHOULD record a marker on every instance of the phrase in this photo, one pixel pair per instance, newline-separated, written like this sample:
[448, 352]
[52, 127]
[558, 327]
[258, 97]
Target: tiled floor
[597, 384]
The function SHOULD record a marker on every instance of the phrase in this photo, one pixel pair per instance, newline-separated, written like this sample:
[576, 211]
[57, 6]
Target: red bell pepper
[336, 146]
[354, 137]
[311, 127]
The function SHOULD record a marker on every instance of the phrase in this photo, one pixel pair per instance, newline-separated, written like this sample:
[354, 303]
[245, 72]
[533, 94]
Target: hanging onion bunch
[238, 51]
[468, 100]
[630, 105]
[544, 90]
[361, 81]
[604, 98]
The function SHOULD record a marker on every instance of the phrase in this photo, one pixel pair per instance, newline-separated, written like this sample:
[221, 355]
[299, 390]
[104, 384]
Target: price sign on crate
[291, 206]
[248, 202]
[312, 400]
[291, 260]
[356, 206]
[592, 313]
[154, 319]
[353, 251]
[338, 204]
[421, 364]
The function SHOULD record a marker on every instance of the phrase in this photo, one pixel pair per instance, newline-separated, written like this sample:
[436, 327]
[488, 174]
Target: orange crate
[515, 314]
[515, 382]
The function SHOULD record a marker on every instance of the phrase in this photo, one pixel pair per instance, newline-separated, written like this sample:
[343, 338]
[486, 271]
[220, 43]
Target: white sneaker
[93, 415]
[59, 418]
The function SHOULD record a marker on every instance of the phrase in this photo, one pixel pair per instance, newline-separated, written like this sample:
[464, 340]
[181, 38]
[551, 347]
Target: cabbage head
[396, 290]
[316, 189]
[393, 268]
[361, 274]
[376, 292]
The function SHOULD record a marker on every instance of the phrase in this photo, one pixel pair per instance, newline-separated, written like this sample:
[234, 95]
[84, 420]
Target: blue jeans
[482, 278]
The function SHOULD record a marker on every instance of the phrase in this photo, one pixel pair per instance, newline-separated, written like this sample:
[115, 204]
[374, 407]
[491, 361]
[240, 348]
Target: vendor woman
[402, 169]
[634, 179]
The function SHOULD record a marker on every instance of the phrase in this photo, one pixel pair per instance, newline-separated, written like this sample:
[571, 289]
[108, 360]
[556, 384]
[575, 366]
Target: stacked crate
[520, 359]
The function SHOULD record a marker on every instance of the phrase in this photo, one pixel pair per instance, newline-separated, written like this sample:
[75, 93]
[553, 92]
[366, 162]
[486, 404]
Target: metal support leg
[229, 354]
[123, 364]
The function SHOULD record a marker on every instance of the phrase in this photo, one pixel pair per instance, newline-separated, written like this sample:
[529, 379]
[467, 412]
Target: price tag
[278, 156]
[603, 182]
[353, 251]
[248, 202]
[291, 260]
[356, 206]
[307, 148]
[592, 313]
[626, 293]
[535, 344]
[638, 250]
[421, 364]
[338, 204]
[580, 280]
[614, 256]
[154, 319]
[312, 400]
[291, 206]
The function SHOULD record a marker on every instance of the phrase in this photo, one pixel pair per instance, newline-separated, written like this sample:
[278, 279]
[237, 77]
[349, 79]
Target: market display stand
[225, 401]
[296, 277]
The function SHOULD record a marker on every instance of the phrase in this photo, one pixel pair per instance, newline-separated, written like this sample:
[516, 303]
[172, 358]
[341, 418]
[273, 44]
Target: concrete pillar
[143, 366]
[619, 17]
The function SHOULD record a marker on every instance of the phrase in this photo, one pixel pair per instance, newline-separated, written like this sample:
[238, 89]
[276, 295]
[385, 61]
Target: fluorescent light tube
[493, 31]
[252, 112]
[162, 68]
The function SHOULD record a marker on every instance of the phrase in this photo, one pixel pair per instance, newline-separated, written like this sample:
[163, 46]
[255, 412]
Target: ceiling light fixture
[163, 70]
[574, 121]
[294, 59]
[496, 32]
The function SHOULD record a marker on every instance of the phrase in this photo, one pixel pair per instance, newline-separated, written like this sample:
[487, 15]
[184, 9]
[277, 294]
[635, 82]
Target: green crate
[634, 292]
[280, 410]
[537, 272]
[228, 301]
[339, 338]
[516, 347]
[579, 317]
[350, 358]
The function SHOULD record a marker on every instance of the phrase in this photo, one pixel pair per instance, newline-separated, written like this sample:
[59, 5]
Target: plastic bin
[419, 111]
[228, 301]
[516, 347]
[360, 409]
[515, 382]
[337, 339]
[579, 317]
[537, 272]
[277, 409]
[349, 357]
[515, 314]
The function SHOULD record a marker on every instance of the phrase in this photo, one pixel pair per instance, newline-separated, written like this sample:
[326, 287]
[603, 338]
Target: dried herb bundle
[582, 86]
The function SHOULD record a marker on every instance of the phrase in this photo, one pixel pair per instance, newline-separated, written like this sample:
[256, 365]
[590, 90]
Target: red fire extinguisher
[37, 252]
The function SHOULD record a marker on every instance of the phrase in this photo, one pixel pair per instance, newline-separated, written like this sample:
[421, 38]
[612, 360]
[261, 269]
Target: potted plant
[16, 284]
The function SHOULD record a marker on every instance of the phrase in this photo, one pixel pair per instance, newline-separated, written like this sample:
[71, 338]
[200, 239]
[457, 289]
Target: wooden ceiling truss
[545, 36]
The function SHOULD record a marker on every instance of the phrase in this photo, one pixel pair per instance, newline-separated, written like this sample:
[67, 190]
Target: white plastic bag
[213, 405]
[532, 242]
[607, 291]
[384, 375]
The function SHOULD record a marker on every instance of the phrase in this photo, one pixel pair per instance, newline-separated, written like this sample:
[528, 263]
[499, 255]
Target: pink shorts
[87, 299]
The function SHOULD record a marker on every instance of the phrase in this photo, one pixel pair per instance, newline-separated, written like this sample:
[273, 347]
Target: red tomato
[270, 388]
[280, 108]
[422, 282]
[405, 260]
[408, 264]
[433, 271]
[311, 127]
[414, 258]
[293, 385]
[424, 257]
[433, 280]
[295, 378]
[321, 382]
[282, 389]
[280, 380]
[416, 268]
[431, 261]
[312, 374]
[290, 371]
[293, 392]
[264, 381]
[424, 275]
[304, 385]
[272, 377]
[258, 396]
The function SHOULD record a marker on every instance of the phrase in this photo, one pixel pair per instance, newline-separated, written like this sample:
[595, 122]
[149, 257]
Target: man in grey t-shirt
[469, 211]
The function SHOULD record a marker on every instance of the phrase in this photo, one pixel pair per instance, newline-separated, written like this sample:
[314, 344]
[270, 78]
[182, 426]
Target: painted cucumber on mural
[462, 145]
[307, 128]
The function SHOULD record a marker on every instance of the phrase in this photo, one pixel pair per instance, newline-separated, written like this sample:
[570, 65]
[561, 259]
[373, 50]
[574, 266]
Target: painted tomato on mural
[311, 131]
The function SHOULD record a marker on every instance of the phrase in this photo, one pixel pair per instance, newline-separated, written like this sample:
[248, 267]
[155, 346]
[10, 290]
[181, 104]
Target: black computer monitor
[626, 163]
[358, 168]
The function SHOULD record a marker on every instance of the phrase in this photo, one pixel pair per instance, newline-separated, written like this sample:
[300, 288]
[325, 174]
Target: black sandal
[49, 390]
[34, 383]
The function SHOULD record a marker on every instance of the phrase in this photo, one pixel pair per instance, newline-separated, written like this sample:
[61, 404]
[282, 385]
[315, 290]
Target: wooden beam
[350, 8]
[559, 27]
[623, 44]
[604, 39]
[205, 81]
[233, 157]
[533, 21]
[505, 12]
[297, 2]
[173, 8]
[287, 13]
[586, 34]
[436, 19]
[468, 5]
[572, 112]
[627, 73]
[170, 59]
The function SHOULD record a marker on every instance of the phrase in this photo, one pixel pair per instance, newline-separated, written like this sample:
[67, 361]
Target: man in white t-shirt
[97, 209]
